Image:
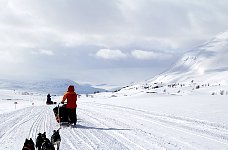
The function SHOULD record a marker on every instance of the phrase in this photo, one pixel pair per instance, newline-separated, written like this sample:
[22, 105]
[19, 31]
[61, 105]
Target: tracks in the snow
[106, 126]
[140, 122]
[24, 123]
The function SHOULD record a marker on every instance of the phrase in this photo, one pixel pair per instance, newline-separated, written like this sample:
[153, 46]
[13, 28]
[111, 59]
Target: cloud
[110, 54]
[175, 24]
[46, 52]
[8, 57]
[42, 52]
[70, 30]
[149, 55]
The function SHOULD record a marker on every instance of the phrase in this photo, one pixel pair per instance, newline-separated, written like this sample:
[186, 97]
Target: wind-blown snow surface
[140, 121]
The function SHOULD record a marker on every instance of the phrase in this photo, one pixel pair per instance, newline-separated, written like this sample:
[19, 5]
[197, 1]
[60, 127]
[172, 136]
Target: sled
[60, 112]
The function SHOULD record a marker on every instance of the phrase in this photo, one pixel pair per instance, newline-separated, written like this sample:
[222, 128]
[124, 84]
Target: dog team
[69, 113]
[43, 143]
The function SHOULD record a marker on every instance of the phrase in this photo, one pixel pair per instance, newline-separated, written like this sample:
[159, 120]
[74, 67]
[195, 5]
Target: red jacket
[71, 97]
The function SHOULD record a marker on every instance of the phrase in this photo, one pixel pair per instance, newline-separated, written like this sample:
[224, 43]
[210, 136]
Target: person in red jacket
[71, 105]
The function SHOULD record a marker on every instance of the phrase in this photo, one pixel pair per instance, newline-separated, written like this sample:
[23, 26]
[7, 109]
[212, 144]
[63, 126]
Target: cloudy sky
[102, 41]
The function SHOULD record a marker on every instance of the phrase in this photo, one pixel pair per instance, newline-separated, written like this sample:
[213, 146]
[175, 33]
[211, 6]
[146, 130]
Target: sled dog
[56, 139]
[29, 144]
[40, 140]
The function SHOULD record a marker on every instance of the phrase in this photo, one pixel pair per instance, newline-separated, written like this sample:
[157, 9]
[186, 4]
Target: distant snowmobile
[49, 101]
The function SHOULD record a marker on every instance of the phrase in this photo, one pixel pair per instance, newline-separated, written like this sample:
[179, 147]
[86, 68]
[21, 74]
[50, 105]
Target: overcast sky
[102, 41]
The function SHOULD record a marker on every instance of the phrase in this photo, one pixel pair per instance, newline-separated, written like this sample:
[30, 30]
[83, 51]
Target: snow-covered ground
[141, 121]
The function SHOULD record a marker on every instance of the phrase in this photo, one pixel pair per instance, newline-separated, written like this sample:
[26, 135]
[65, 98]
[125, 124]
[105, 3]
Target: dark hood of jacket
[70, 88]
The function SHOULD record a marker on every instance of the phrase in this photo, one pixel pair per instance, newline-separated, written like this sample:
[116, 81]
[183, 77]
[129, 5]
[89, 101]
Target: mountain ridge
[53, 86]
[208, 61]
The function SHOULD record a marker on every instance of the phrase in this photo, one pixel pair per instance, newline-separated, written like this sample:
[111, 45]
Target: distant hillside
[206, 63]
[53, 86]
[204, 66]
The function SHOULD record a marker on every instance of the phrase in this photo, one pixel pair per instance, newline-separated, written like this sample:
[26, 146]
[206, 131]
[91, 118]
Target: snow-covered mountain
[53, 86]
[205, 63]
[203, 70]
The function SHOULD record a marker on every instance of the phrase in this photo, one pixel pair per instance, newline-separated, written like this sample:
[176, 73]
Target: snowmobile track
[208, 130]
[113, 127]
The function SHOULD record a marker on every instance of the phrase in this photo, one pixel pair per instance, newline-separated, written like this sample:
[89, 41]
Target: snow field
[141, 121]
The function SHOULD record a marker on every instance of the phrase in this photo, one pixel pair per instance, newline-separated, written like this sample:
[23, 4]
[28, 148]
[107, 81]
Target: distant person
[71, 105]
[48, 99]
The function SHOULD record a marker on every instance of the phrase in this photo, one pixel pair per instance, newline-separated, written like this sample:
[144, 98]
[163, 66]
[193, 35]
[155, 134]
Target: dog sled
[61, 116]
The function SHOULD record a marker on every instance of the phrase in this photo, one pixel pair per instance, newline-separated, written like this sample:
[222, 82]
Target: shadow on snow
[96, 128]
